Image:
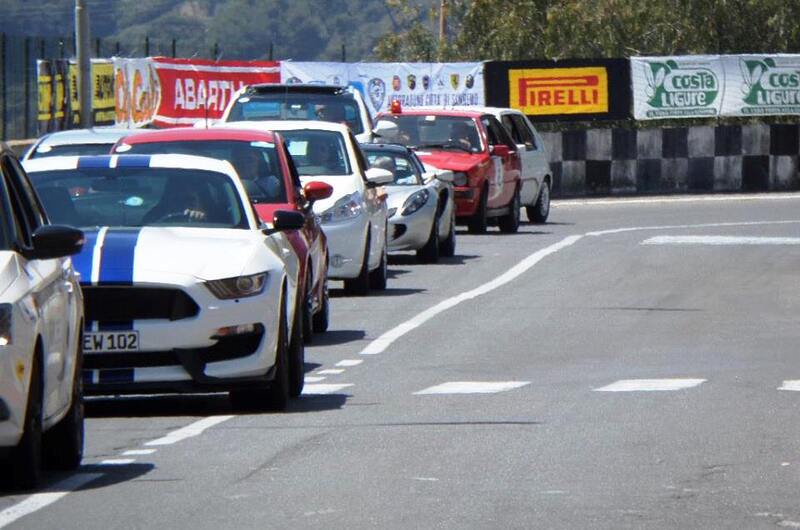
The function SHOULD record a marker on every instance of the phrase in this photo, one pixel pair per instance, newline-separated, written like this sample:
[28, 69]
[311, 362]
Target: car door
[375, 199]
[539, 161]
[53, 290]
[506, 169]
[526, 147]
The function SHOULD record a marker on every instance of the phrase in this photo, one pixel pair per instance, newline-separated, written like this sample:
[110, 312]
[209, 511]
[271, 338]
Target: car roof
[386, 148]
[95, 135]
[62, 163]
[286, 125]
[438, 111]
[496, 110]
[186, 133]
[299, 88]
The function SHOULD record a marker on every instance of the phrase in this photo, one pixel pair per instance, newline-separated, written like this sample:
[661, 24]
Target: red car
[272, 183]
[480, 153]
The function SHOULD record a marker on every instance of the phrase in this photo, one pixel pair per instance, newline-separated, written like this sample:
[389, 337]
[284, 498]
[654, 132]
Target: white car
[355, 217]
[41, 313]
[77, 142]
[184, 290]
[536, 177]
[422, 214]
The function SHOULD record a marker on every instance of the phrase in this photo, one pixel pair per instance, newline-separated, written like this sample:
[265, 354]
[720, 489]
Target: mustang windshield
[437, 132]
[398, 164]
[256, 162]
[288, 106]
[135, 197]
[318, 152]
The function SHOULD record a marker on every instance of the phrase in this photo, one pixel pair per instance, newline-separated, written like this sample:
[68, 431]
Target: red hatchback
[480, 153]
[272, 183]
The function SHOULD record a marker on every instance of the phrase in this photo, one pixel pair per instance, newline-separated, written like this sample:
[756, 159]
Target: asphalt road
[628, 365]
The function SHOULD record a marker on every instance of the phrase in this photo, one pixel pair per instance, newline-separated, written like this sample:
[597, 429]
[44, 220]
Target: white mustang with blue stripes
[184, 289]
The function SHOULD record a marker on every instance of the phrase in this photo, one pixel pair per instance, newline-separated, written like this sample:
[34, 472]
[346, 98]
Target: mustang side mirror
[55, 241]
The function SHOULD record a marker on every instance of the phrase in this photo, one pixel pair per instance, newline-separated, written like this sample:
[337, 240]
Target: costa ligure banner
[573, 89]
[171, 92]
[715, 85]
[413, 84]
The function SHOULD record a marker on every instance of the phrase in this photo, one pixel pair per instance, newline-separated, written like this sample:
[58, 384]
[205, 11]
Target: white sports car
[183, 289]
[421, 209]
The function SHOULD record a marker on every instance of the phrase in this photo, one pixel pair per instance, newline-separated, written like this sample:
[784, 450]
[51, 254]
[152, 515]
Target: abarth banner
[413, 84]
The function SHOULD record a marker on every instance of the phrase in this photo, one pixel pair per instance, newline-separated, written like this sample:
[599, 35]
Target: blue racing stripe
[94, 162]
[121, 375]
[116, 262]
[135, 161]
[82, 262]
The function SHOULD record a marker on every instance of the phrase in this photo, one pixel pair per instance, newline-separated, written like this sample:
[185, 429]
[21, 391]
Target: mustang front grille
[120, 304]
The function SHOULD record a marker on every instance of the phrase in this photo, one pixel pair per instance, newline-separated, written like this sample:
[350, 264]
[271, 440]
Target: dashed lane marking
[313, 379]
[792, 386]
[672, 200]
[139, 452]
[191, 430]
[473, 387]
[650, 385]
[346, 363]
[117, 461]
[37, 501]
[720, 240]
[322, 389]
[331, 371]
[683, 227]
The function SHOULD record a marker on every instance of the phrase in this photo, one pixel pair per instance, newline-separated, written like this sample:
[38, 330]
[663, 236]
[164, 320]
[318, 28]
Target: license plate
[111, 341]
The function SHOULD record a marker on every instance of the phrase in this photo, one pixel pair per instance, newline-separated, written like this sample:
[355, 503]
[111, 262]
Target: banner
[137, 92]
[193, 90]
[413, 84]
[677, 87]
[761, 85]
[58, 106]
[103, 110]
[573, 89]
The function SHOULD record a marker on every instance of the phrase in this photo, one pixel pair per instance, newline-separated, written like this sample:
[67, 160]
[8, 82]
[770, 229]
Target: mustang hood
[452, 160]
[158, 254]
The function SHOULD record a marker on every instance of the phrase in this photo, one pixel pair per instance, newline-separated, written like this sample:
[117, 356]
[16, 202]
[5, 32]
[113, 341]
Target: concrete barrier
[725, 158]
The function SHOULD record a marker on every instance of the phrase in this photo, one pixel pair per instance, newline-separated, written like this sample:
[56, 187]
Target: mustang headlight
[6, 310]
[415, 201]
[239, 287]
[459, 178]
[348, 207]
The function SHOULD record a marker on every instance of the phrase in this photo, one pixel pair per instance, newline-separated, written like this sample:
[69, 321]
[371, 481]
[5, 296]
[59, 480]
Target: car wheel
[297, 357]
[308, 308]
[359, 285]
[539, 212]
[26, 458]
[448, 246]
[377, 278]
[321, 318]
[509, 223]
[430, 252]
[478, 222]
[63, 444]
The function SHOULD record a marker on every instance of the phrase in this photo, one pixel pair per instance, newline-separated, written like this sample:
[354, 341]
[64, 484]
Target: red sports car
[272, 183]
[480, 153]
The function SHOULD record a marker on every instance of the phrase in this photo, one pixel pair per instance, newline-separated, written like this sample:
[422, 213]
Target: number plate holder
[110, 341]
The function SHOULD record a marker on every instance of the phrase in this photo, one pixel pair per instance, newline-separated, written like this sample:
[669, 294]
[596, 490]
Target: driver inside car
[464, 136]
[180, 202]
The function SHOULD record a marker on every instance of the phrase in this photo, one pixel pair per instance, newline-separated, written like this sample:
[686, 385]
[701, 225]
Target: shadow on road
[157, 405]
[334, 337]
[106, 475]
[317, 403]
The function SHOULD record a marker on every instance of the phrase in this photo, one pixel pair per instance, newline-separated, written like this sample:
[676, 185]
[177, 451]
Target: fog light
[229, 331]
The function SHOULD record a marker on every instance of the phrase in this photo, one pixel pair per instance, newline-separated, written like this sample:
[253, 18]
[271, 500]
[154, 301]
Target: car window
[9, 231]
[399, 165]
[317, 152]
[433, 131]
[524, 130]
[256, 162]
[341, 108]
[360, 160]
[511, 127]
[497, 133]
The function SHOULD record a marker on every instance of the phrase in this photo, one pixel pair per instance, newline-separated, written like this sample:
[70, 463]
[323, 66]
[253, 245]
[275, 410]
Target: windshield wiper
[445, 146]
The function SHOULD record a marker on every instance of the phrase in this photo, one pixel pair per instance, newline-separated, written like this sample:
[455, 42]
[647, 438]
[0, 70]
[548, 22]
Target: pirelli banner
[573, 89]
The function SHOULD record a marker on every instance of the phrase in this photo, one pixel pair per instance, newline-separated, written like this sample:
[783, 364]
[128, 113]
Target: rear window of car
[44, 151]
[324, 107]
[317, 153]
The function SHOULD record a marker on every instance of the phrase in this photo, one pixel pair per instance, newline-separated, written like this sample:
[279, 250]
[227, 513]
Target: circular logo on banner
[411, 81]
[376, 89]
[470, 81]
[426, 82]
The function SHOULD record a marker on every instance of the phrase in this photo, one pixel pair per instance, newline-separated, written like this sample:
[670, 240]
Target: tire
[307, 308]
[359, 286]
[378, 277]
[321, 318]
[539, 212]
[63, 444]
[26, 458]
[297, 360]
[274, 396]
[478, 222]
[430, 252]
[447, 247]
[509, 223]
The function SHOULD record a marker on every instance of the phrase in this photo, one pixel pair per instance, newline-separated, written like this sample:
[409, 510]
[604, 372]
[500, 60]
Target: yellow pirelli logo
[543, 91]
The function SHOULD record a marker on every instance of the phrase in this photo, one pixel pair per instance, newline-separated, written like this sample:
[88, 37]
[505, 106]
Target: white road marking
[349, 362]
[650, 385]
[313, 379]
[37, 501]
[321, 389]
[721, 240]
[191, 430]
[117, 461]
[380, 344]
[679, 227]
[566, 203]
[139, 452]
[792, 385]
[473, 387]
[331, 371]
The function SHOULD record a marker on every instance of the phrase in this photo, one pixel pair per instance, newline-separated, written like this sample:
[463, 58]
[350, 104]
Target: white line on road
[313, 379]
[473, 387]
[191, 430]
[721, 240]
[331, 371]
[650, 385]
[677, 227]
[139, 452]
[380, 344]
[349, 362]
[566, 203]
[792, 386]
[37, 501]
[322, 388]
[117, 461]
